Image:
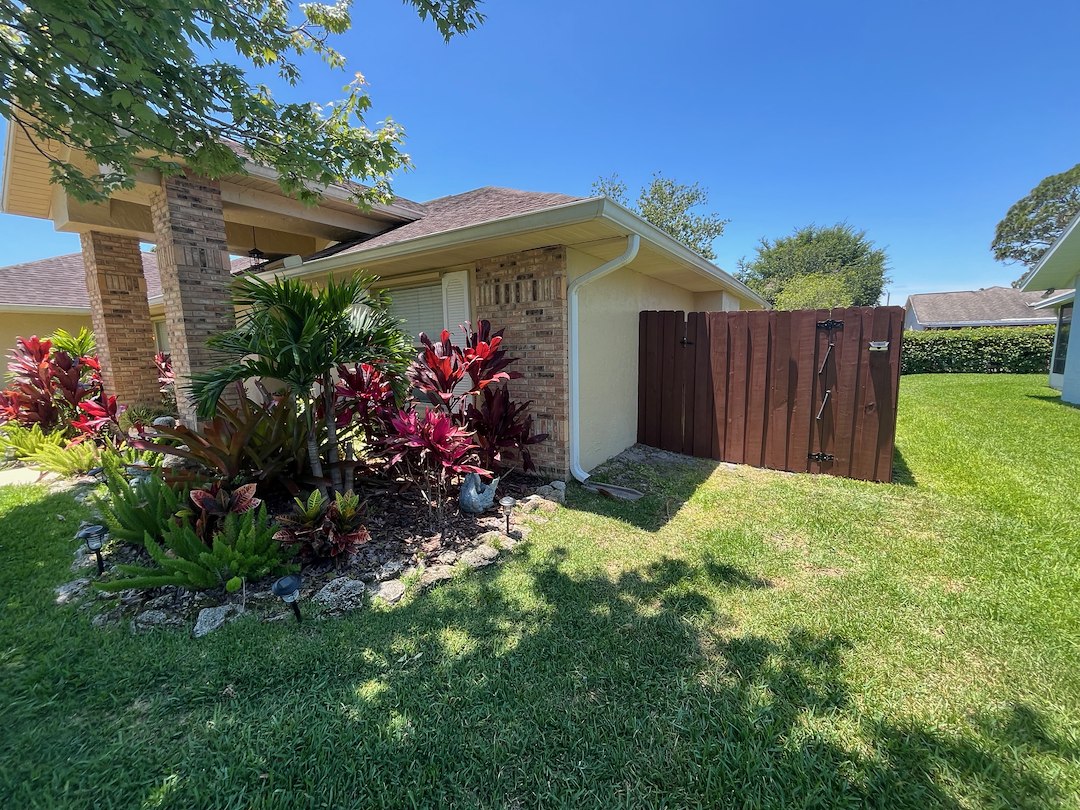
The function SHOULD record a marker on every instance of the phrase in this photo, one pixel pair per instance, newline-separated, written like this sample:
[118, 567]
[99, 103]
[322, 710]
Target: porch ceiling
[256, 211]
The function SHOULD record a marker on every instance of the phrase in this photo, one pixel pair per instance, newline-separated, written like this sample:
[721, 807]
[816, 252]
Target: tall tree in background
[818, 264]
[135, 84]
[1037, 219]
[670, 206]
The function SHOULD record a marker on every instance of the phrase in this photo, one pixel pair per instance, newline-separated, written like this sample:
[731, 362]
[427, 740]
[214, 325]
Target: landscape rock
[389, 570]
[341, 594]
[391, 591]
[490, 538]
[150, 619]
[72, 591]
[538, 503]
[107, 617]
[480, 556]
[447, 557]
[436, 573]
[211, 618]
[164, 421]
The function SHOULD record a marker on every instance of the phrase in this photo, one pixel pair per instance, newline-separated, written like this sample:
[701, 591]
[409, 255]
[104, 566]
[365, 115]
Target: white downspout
[633, 242]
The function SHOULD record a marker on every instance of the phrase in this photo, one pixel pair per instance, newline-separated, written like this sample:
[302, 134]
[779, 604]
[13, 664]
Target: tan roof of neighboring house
[455, 211]
[992, 305]
[60, 281]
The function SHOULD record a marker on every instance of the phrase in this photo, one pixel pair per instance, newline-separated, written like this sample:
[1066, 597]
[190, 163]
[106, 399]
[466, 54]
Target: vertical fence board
[689, 382]
[824, 377]
[697, 330]
[804, 337]
[885, 377]
[718, 366]
[848, 340]
[670, 393]
[866, 417]
[781, 389]
[757, 387]
[738, 362]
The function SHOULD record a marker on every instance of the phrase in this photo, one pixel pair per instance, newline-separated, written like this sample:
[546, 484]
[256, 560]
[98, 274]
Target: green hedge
[983, 350]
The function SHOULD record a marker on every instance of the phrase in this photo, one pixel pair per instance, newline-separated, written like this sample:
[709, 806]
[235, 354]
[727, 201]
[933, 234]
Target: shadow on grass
[1055, 399]
[533, 685]
[902, 474]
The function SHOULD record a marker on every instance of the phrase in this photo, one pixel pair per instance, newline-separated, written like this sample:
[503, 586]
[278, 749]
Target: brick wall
[194, 264]
[526, 293]
[120, 316]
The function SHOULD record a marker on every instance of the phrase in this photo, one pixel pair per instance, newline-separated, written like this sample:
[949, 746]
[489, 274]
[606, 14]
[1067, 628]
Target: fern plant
[148, 506]
[18, 442]
[244, 549]
[77, 458]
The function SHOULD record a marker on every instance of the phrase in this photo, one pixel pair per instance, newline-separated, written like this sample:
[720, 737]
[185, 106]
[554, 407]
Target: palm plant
[297, 334]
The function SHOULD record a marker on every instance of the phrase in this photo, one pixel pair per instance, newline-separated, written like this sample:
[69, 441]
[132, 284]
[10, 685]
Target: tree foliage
[140, 84]
[828, 254]
[1033, 222]
[672, 207]
[814, 291]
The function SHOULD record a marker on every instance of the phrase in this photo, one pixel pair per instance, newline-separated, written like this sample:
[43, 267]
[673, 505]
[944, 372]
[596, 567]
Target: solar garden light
[94, 535]
[507, 505]
[288, 590]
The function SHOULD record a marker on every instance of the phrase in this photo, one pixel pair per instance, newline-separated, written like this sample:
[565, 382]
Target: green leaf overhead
[164, 84]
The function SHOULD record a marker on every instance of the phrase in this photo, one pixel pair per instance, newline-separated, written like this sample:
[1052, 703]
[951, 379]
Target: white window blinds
[420, 309]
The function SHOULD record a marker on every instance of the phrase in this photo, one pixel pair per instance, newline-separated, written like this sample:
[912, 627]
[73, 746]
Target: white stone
[480, 556]
[149, 619]
[391, 591]
[389, 570]
[559, 485]
[436, 573]
[72, 591]
[341, 594]
[211, 618]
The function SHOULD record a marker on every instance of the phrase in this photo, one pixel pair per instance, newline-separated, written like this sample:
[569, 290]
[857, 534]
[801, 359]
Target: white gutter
[633, 242]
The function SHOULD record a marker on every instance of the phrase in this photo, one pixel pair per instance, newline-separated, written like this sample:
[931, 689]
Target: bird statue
[475, 497]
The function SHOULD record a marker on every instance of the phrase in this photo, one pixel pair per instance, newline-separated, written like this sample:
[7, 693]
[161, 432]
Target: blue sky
[918, 122]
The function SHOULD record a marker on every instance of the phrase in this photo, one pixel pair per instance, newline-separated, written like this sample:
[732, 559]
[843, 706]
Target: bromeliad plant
[297, 334]
[321, 528]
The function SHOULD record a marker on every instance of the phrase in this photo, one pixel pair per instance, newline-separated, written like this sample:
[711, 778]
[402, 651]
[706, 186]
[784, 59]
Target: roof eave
[571, 213]
[1056, 268]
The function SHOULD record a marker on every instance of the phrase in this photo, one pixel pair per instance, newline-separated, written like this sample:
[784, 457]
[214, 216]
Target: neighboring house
[993, 306]
[1058, 271]
[39, 297]
[566, 277]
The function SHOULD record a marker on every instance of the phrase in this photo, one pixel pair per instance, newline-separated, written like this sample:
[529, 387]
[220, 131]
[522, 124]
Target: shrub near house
[981, 350]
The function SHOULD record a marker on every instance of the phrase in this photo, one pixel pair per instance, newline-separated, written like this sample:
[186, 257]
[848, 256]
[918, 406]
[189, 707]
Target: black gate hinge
[820, 457]
[830, 324]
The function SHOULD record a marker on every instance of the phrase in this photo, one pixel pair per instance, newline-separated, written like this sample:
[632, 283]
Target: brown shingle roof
[60, 281]
[992, 304]
[455, 211]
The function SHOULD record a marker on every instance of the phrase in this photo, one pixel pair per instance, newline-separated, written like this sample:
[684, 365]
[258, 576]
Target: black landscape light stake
[288, 590]
[507, 505]
[94, 535]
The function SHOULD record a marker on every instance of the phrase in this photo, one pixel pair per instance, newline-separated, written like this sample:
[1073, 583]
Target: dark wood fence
[807, 391]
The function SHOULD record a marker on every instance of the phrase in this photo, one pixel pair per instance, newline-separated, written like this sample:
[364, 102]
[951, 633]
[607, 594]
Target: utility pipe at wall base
[633, 242]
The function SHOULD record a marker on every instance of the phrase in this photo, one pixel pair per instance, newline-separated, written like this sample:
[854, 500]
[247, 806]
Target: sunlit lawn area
[736, 638]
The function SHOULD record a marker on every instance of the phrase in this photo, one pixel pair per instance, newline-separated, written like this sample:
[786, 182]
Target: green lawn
[736, 638]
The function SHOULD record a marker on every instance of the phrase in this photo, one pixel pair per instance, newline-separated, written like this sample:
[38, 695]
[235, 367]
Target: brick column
[526, 293]
[193, 261]
[120, 315]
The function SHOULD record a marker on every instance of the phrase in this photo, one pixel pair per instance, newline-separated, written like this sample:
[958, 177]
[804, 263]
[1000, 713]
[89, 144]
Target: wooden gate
[806, 391]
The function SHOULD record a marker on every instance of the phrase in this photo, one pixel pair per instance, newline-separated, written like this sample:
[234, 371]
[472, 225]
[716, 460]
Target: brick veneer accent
[526, 293]
[120, 315]
[193, 261]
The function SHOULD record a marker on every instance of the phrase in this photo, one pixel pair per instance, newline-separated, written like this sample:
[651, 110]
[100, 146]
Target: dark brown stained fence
[801, 391]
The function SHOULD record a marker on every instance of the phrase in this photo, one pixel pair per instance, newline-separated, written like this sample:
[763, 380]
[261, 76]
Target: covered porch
[195, 225]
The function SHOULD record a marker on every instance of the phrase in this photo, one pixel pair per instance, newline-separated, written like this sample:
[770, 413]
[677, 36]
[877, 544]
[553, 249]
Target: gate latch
[830, 325]
[819, 457]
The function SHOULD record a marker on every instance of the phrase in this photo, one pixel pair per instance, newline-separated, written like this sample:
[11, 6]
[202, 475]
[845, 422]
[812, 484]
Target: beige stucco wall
[24, 324]
[608, 313]
[608, 346]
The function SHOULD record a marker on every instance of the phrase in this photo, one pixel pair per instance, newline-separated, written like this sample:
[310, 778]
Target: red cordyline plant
[431, 449]
[503, 430]
[47, 387]
[449, 375]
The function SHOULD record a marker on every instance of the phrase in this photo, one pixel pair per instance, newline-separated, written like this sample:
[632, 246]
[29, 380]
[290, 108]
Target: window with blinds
[420, 309]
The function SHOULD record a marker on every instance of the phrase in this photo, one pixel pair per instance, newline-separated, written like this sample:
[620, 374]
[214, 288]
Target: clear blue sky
[918, 122]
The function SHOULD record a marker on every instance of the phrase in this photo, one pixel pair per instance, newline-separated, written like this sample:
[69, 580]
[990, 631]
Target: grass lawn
[736, 638]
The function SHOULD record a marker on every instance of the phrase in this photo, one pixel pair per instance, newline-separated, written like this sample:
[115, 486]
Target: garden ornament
[476, 497]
